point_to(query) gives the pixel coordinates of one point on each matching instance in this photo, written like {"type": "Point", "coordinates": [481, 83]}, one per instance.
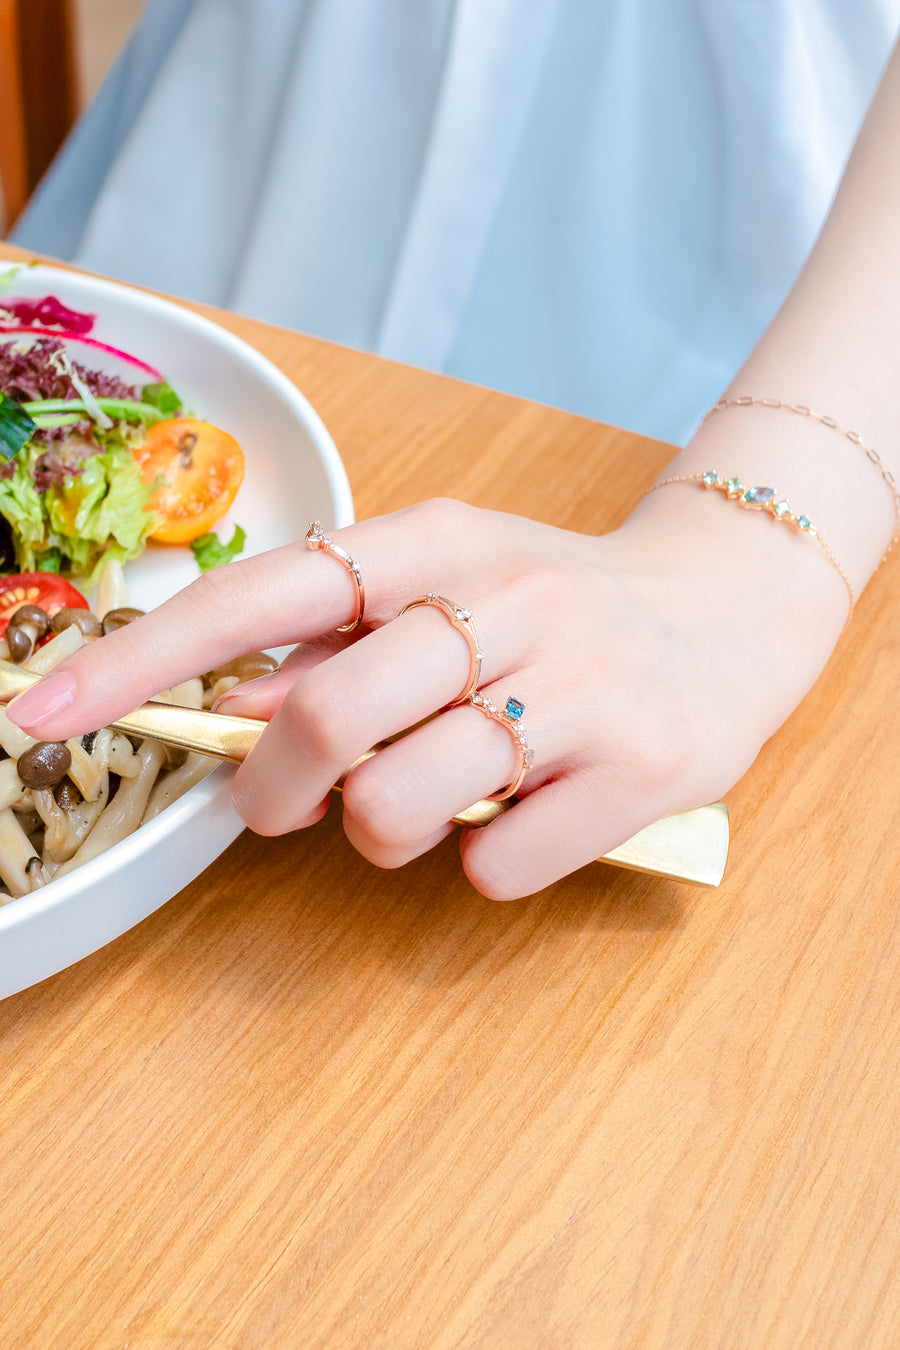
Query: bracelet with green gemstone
{"type": "Point", "coordinates": [762, 499]}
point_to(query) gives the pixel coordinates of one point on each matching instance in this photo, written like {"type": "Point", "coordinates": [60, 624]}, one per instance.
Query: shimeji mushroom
{"type": "Point", "coordinates": [224, 685]}
{"type": "Point", "coordinates": [20, 868]}
{"type": "Point", "coordinates": [112, 592]}
{"type": "Point", "coordinates": [125, 812]}
{"type": "Point", "coordinates": [83, 815]}
{"type": "Point", "coordinates": [89, 768]}
{"type": "Point", "coordinates": [61, 839]}
{"type": "Point", "coordinates": [188, 694]}
{"type": "Point", "coordinates": [123, 758]}
{"type": "Point", "coordinates": [68, 816]}
{"type": "Point", "coordinates": [172, 785]}
{"type": "Point", "coordinates": [57, 649]}
{"type": "Point", "coordinates": [12, 738]}
{"type": "Point", "coordinates": [11, 786]}
{"type": "Point", "coordinates": [87, 623]}
{"type": "Point", "coordinates": [72, 817]}
{"type": "Point", "coordinates": [27, 625]}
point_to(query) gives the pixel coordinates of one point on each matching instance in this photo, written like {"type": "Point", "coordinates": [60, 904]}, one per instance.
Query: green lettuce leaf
{"type": "Point", "coordinates": [102, 513]}
{"type": "Point", "coordinates": [163, 397]}
{"type": "Point", "coordinates": [21, 504]}
{"type": "Point", "coordinates": [211, 552]}
{"type": "Point", "coordinates": [74, 528]}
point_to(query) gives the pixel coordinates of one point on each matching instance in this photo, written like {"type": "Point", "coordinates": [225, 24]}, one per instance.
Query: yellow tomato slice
{"type": "Point", "coordinates": [202, 468]}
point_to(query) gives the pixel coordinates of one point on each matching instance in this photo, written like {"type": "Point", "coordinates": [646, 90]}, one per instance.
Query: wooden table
{"type": "Point", "coordinates": [310, 1104]}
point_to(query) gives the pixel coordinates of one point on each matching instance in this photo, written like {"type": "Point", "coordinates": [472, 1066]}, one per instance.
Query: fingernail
{"type": "Point", "coordinates": [240, 690]}
{"type": "Point", "coordinates": [53, 693]}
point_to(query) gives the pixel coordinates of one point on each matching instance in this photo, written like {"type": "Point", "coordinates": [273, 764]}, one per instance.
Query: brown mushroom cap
{"type": "Point", "coordinates": [247, 667]}
{"type": "Point", "coordinates": [30, 616]}
{"type": "Point", "coordinates": [20, 642]}
{"type": "Point", "coordinates": [83, 619]}
{"type": "Point", "coordinates": [45, 764]}
{"type": "Point", "coordinates": [117, 618]}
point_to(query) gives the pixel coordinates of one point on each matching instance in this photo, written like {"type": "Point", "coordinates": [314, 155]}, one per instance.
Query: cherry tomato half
{"type": "Point", "coordinates": [51, 593]}
{"type": "Point", "coordinates": [202, 468]}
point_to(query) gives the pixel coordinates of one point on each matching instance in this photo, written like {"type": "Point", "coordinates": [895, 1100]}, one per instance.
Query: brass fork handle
{"type": "Point", "coordinates": [691, 846]}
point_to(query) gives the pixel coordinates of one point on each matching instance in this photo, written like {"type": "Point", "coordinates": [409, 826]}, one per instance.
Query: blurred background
{"type": "Point", "coordinates": [102, 27]}
{"type": "Point", "coordinates": [54, 55]}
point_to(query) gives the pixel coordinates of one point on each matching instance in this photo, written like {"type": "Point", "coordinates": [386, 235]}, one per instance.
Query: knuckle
{"type": "Point", "coordinates": [445, 514]}
{"type": "Point", "coordinates": [315, 713]}
{"type": "Point", "coordinates": [371, 799]}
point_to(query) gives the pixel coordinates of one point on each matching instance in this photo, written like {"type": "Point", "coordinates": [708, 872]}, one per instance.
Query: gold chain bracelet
{"type": "Point", "coordinates": [801, 410]}
{"type": "Point", "coordinates": [762, 499]}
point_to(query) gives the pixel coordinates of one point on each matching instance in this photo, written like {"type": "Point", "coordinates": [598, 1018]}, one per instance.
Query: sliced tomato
{"type": "Point", "coordinates": [202, 468]}
{"type": "Point", "coordinates": [51, 593]}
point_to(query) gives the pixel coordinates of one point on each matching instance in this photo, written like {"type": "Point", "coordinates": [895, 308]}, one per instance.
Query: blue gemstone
{"type": "Point", "coordinates": [514, 709]}
{"type": "Point", "coordinates": [757, 495]}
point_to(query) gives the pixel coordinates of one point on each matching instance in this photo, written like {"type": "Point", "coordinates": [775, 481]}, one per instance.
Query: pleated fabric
{"type": "Point", "coordinates": [595, 203]}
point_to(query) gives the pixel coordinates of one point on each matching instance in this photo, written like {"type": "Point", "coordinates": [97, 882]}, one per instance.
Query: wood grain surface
{"type": "Point", "coordinates": [309, 1104]}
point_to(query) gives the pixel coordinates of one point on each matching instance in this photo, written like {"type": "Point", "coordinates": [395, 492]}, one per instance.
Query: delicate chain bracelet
{"type": "Point", "coordinates": [801, 410]}
{"type": "Point", "coordinates": [762, 499]}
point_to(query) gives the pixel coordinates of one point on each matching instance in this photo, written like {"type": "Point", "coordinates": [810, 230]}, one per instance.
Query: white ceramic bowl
{"type": "Point", "coordinates": [294, 475]}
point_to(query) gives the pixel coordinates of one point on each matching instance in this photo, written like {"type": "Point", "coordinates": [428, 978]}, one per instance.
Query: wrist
{"type": "Point", "coordinates": [763, 597]}
{"type": "Point", "coordinates": [826, 473]}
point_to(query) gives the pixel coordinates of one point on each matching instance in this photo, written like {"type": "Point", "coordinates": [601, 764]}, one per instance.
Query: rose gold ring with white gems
{"type": "Point", "coordinates": [508, 717]}
{"type": "Point", "coordinates": [316, 538]}
{"type": "Point", "coordinates": [461, 620]}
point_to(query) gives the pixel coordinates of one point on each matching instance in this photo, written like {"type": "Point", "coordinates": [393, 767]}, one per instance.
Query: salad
{"type": "Point", "coordinates": [93, 465]}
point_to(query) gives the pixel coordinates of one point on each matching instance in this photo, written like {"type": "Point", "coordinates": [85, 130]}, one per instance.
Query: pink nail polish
{"type": "Point", "coordinates": [50, 696]}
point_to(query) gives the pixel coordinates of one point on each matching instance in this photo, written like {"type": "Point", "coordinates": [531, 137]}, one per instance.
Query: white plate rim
{"type": "Point", "coordinates": [25, 909]}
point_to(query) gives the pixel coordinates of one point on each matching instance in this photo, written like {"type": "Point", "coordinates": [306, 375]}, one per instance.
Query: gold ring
{"type": "Point", "coordinates": [461, 620]}
{"type": "Point", "coordinates": [316, 538]}
{"type": "Point", "coordinates": [508, 717]}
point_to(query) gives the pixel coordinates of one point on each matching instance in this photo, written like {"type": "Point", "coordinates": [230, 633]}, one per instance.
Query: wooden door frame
{"type": "Point", "coordinates": [38, 92]}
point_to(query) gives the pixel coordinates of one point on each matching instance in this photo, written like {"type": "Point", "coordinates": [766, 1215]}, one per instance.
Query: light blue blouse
{"type": "Point", "coordinates": [595, 203]}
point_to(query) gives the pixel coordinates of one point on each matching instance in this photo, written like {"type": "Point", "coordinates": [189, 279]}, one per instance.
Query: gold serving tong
{"type": "Point", "coordinates": [691, 846]}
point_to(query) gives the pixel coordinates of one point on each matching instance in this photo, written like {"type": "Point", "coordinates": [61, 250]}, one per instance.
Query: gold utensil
{"type": "Point", "coordinates": [691, 846]}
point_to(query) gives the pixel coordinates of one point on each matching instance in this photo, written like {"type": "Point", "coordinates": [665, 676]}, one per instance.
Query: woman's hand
{"type": "Point", "coordinates": [650, 669]}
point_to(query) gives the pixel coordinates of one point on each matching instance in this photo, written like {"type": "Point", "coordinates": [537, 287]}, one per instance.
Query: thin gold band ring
{"type": "Point", "coordinates": [317, 539]}
{"type": "Point", "coordinates": [461, 619]}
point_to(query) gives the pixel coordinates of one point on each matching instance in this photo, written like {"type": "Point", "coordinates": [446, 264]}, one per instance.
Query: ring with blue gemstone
{"type": "Point", "coordinates": [510, 718]}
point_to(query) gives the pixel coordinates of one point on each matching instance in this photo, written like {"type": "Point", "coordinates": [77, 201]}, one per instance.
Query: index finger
{"type": "Point", "coordinates": [285, 596]}
{"type": "Point", "coordinates": [269, 600]}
